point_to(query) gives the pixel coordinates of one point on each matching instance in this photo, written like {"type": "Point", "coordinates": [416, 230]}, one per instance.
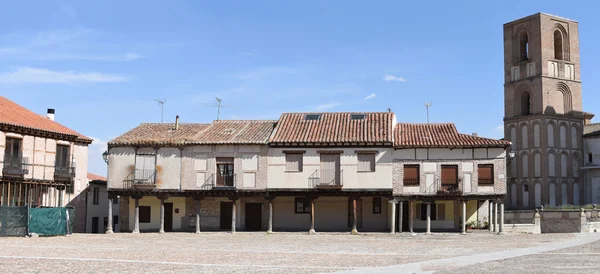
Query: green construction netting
{"type": "Point", "coordinates": [48, 221]}
{"type": "Point", "coordinates": [13, 221]}
{"type": "Point", "coordinates": [71, 215]}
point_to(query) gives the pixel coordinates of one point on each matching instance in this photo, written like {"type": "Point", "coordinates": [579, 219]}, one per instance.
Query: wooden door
{"type": "Point", "coordinates": [226, 208]}
{"type": "Point", "coordinates": [168, 216]}
{"type": "Point", "coordinates": [253, 216]}
{"type": "Point", "coordinates": [330, 169]}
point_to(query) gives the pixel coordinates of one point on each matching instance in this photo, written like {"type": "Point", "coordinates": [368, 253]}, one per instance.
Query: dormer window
{"type": "Point", "coordinates": [312, 117]}
{"type": "Point", "coordinates": [357, 117]}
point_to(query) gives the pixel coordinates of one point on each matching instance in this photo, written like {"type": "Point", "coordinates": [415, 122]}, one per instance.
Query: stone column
{"type": "Point", "coordinates": [136, 215]}
{"type": "Point", "coordinates": [354, 217]}
{"type": "Point", "coordinates": [501, 227]}
{"type": "Point", "coordinates": [582, 221]}
{"type": "Point", "coordinates": [233, 213]}
{"type": "Point", "coordinates": [162, 215]}
{"type": "Point", "coordinates": [270, 229]}
{"type": "Point", "coordinates": [495, 216]}
{"type": "Point", "coordinates": [464, 217]}
{"type": "Point", "coordinates": [400, 213]}
{"type": "Point", "coordinates": [109, 227]}
{"type": "Point", "coordinates": [490, 215]}
{"type": "Point", "coordinates": [410, 217]}
{"type": "Point", "coordinates": [393, 217]}
{"type": "Point", "coordinates": [428, 230]}
{"type": "Point", "coordinates": [198, 205]}
{"type": "Point", "coordinates": [312, 216]}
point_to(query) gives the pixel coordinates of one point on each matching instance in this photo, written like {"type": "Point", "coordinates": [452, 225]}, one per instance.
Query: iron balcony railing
{"type": "Point", "coordinates": [326, 178]}
{"type": "Point", "coordinates": [16, 167]}
{"type": "Point", "coordinates": [219, 182]}
{"type": "Point", "coordinates": [64, 172]}
{"type": "Point", "coordinates": [413, 182]}
{"type": "Point", "coordinates": [443, 188]}
{"type": "Point", "coordinates": [140, 178]}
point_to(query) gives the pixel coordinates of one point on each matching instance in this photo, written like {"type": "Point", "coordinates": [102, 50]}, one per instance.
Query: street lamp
{"type": "Point", "coordinates": [511, 154]}
{"type": "Point", "coordinates": [105, 156]}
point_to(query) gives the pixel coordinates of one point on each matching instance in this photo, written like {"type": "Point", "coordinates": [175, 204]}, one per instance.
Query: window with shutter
{"type": "Point", "coordinates": [302, 205]}
{"type": "Point", "coordinates": [366, 162]}
{"type": "Point", "coordinates": [411, 175]}
{"type": "Point", "coordinates": [449, 174]}
{"type": "Point", "coordinates": [485, 174]}
{"type": "Point", "coordinates": [293, 162]}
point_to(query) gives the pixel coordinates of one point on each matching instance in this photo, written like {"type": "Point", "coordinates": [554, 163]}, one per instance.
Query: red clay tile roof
{"type": "Point", "coordinates": [439, 135]}
{"type": "Point", "coordinates": [334, 127]}
{"type": "Point", "coordinates": [95, 177]}
{"type": "Point", "coordinates": [14, 114]}
{"type": "Point", "coordinates": [591, 130]}
{"type": "Point", "coordinates": [150, 134]}
{"type": "Point", "coordinates": [236, 132]}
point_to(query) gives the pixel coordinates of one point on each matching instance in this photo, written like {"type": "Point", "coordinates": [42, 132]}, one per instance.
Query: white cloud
{"type": "Point", "coordinates": [327, 106]}
{"type": "Point", "coordinates": [499, 128]}
{"type": "Point", "coordinates": [389, 77]}
{"type": "Point", "coordinates": [371, 96]}
{"type": "Point", "coordinates": [36, 75]}
{"type": "Point", "coordinates": [124, 57]}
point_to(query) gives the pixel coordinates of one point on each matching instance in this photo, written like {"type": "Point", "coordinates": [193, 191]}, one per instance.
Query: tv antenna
{"type": "Point", "coordinates": [218, 105]}
{"type": "Point", "coordinates": [161, 103]}
{"type": "Point", "coordinates": [427, 106]}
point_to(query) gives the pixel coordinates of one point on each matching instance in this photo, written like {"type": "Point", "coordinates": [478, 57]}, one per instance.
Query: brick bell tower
{"type": "Point", "coordinates": [543, 115]}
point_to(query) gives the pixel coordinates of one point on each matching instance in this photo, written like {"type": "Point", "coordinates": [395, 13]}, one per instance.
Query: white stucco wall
{"type": "Point", "coordinates": [381, 178]}
{"type": "Point", "coordinates": [100, 210]}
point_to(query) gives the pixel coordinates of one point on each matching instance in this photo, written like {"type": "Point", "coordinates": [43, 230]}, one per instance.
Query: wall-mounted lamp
{"type": "Point", "coordinates": [511, 155]}
{"type": "Point", "coordinates": [105, 156]}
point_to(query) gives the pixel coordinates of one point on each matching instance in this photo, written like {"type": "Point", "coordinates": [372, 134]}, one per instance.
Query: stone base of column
{"type": "Point", "coordinates": [312, 232]}
{"type": "Point", "coordinates": [161, 232]}
{"type": "Point", "coordinates": [109, 231]}
{"type": "Point", "coordinates": [501, 233]}
{"type": "Point", "coordinates": [427, 233]}
{"type": "Point", "coordinates": [198, 232]}
{"type": "Point", "coordinates": [354, 232]}
{"type": "Point", "coordinates": [135, 232]}
{"type": "Point", "coordinates": [413, 234]}
{"type": "Point", "coordinates": [463, 233]}
{"type": "Point", "coordinates": [269, 232]}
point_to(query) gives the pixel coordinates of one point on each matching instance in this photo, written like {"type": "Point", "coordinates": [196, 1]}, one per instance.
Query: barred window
{"type": "Point", "coordinates": [485, 174]}
{"type": "Point", "coordinates": [302, 205]}
{"type": "Point", "coordinates": [411, 175]}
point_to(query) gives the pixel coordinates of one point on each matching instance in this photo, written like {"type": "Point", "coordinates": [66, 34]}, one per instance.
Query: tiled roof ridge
{"type": "Point", "coordinates": [245, 121]}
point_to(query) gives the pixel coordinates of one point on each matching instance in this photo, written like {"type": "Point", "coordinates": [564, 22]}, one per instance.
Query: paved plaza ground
{"type": "Point", "coordinates": [478, 252]}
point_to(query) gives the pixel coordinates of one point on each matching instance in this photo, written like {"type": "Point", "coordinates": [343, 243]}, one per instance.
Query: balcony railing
{"type": "Point", "coordinates": [411, 182]}
{"type": "Point", "coordinates": [140, 178]}
{"type": "Point", "coordinates": [445, 188]}
{"type": "Point", "coordinates": [326, 178]}
{"type": "Point", "coordinates": [219, 182]}
{"type": "Point", "coordinates": [64, 172]}
{"type": "Point", "coordinates": [16, 167]}
{"type": "Point", "coordinates": [485, 181]}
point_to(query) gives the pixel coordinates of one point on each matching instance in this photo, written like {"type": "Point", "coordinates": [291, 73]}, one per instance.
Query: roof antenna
{"type": "Point", "coordinates": [218, 107]}
{"type": "Point", "coordinates": [427, 106]}
{"type": "Point", "coordinates": [162, 107]}
{"type": "Point", "coordinates": [389, 110]}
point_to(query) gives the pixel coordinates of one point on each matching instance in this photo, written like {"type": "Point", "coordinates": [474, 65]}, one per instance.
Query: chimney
{"type": "Point", "coordinates": [50, 114]}
{"type": "Point", "coordinates": [177, 122]}
{"type": "Point", "coordinates": [474, 134]}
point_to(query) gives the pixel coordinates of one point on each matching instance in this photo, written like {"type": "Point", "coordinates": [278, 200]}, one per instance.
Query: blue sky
{"type": "Point", "coordinates": [102, 64]}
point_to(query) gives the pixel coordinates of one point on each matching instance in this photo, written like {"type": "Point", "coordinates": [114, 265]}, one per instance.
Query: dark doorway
{"type": "Point", "coordinates": [253, 216]}
{"type": "Point", "coordinates": [95, 225]}
{"type": "Point", "coordinates": [226, 208]}
{"type": "Point", "coordinates": [405, 216]}
{"type": "Point", "coordinates": [168, 216]}
{"type": "Point", "coordinates": [225, 172]}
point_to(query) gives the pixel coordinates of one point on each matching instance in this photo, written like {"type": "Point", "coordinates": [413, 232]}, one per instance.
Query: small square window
{"type": "Point", "coordinates": [312, 117]}
{"type": "Point", "coordinates": [302, 205]}
{"type": "Point", "coordinates": [293, 162]}
{"type": "Point", "coordinates": [366, 162]}
{"type": "Point", "coordinates": [376, 205]}
{"type": "Point", "coordinates": [357, 117]}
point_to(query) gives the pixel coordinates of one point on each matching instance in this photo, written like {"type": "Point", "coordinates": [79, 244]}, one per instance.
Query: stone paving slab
{"type": "Point", "coordinates": [245, 252]}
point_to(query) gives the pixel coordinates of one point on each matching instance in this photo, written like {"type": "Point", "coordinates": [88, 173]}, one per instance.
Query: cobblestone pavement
{"type": "Point", "coordinates": [249, 252]}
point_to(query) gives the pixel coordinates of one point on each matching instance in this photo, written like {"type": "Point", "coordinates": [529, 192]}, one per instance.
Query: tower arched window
{"type": "Point", "coordinates": [524, 46]}
{"type": "Point", "coordinates": [525, 103]}
{"type": "Point", "coordinates": [558, 45]}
